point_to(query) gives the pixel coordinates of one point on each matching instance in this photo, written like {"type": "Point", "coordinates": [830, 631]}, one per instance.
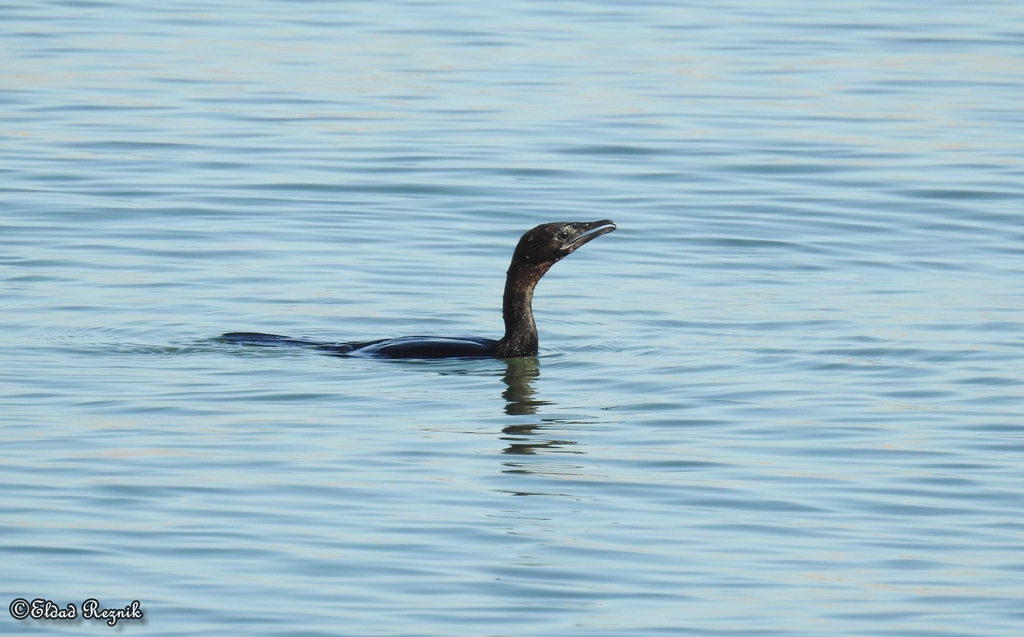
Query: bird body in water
{"type": "Point", "coordinates": [538, 250]}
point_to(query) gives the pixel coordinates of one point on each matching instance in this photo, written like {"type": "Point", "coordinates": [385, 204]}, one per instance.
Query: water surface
{"type": "Point", "coordinates": [784, 398]}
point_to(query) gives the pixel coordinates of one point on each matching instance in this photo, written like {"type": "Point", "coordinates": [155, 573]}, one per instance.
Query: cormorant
{"type": "Point", "coordinates": [538, 250]}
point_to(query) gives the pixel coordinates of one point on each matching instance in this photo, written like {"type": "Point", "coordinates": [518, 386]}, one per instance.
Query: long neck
{"type": "Point", "coordinates": [520, 331]}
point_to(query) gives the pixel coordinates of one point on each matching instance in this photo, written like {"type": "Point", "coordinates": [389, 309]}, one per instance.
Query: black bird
{"type": "Point", "coordinates": [538, 250]}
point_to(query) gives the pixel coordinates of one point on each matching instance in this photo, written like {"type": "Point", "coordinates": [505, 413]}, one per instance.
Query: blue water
{"type": "Point", "coordinates": [785, 398]}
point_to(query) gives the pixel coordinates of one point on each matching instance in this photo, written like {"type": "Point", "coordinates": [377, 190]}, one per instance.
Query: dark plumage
{"type": "Point", "coordinates": [537, 251]}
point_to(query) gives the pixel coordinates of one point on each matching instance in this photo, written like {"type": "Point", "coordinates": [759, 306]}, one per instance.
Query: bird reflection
{"type": "Point", "coordinates": [519, 374]}
{"type": "Point", "coordinates": [522, 438]}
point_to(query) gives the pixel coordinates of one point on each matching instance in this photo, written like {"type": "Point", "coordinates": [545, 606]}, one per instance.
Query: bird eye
{"type": "Point", "coordinates": [562, 234]}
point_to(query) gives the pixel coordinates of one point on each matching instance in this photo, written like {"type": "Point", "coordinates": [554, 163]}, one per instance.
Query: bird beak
{"type": "Point", "coordinates": [591, 231]}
